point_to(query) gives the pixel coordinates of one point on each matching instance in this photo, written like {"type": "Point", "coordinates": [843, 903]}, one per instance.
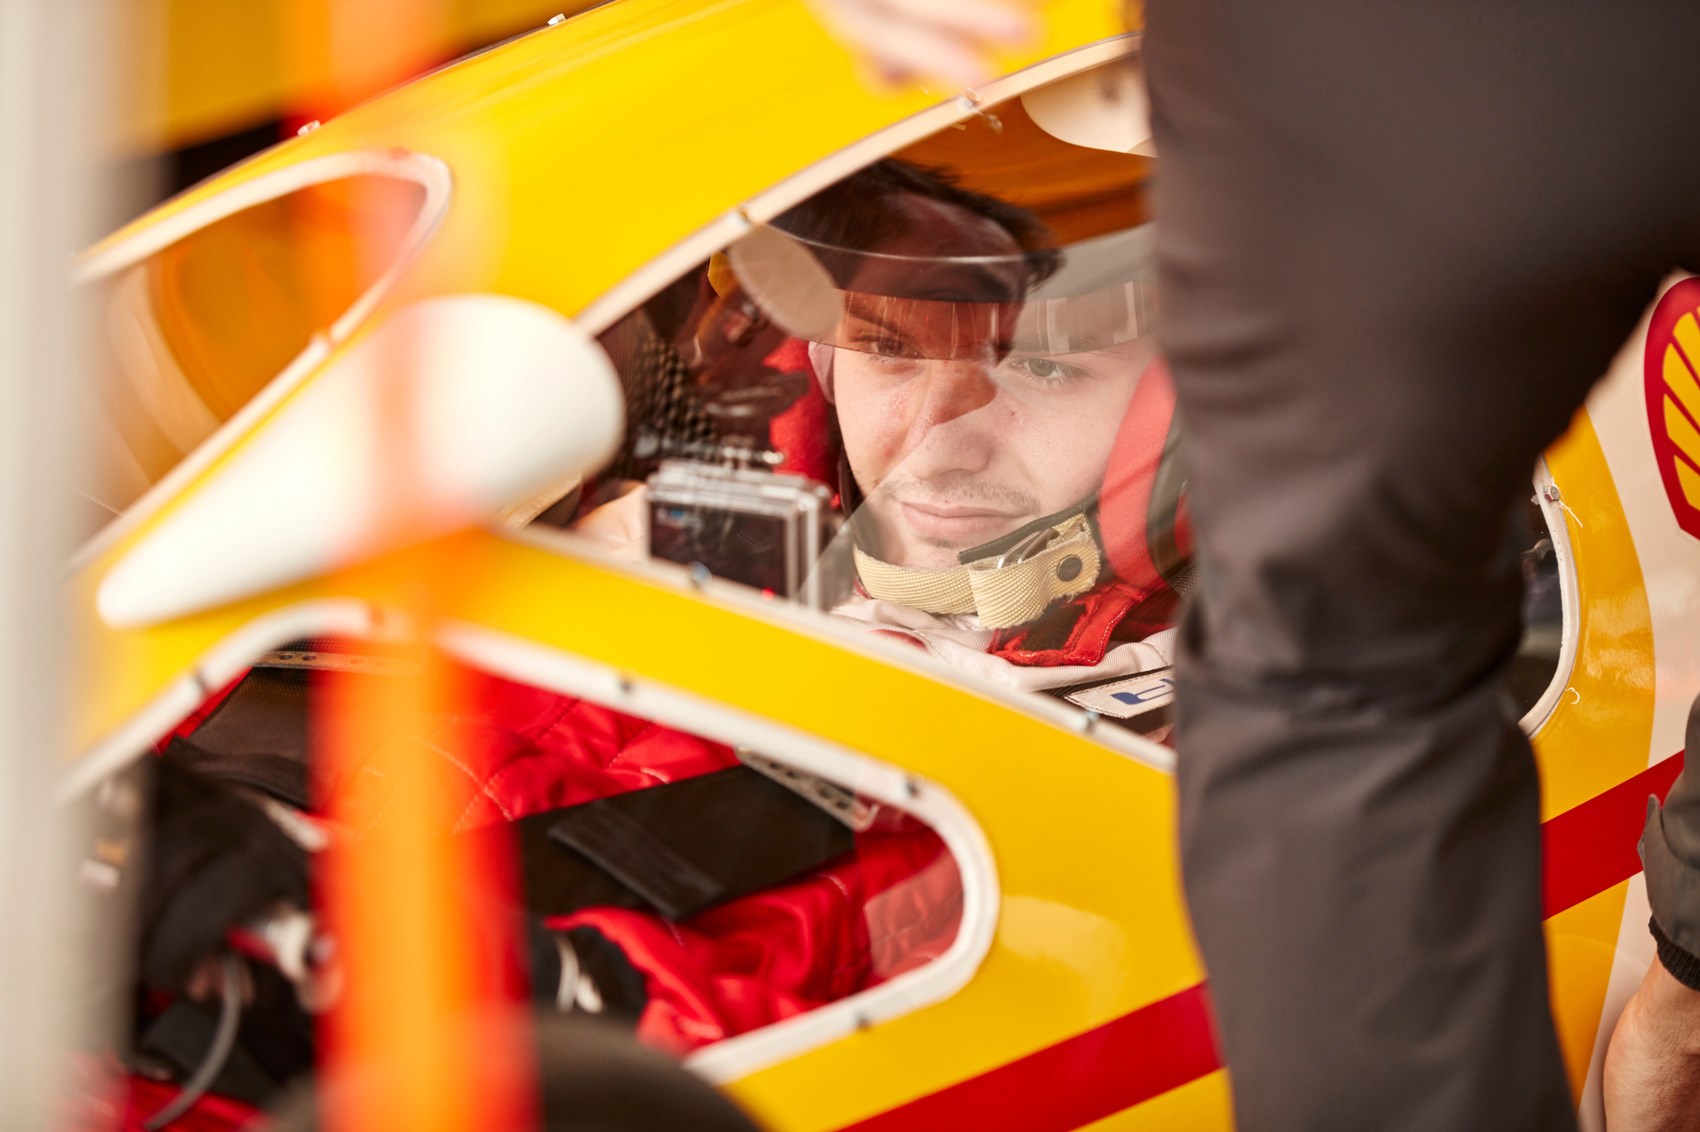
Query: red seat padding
{"type": "Point", "coordinates": [1144, 537]}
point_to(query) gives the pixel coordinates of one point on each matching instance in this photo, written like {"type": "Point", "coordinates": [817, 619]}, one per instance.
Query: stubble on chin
{"type": "Point", "coordinates": [901, 545]}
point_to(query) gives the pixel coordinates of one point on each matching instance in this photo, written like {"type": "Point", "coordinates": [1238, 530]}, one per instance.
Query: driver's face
{"type": "Point", "coordinates": [952, 452]}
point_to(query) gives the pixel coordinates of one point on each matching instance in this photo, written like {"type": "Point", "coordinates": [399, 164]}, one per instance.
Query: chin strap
{"type": "Point", "coordinates": [1003, 590]}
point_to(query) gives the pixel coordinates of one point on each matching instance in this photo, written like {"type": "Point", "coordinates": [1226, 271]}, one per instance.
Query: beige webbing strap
{"type": "Point", "coordinates": [1002, 596]}
{"type": "Point", "coordinates": [936, 591]}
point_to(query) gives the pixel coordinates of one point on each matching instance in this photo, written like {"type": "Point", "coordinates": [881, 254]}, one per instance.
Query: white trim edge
{"type": "Point", "coordinates": [1570, 612]}
{"type": "Point", "coordinates": [540, 666]}
{"type": "Point", "coordinates": [220, 665]}
{"type": "Point", "coordinates": [739, 1056]}
{"type": "Point", "coordinates": [428, 172]}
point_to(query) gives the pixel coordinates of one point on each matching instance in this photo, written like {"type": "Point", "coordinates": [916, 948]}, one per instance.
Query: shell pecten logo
{"type": "Point", "coordinates": [1673, 398]}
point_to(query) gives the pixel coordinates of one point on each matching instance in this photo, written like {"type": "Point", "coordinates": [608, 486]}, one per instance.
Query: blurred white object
{"type": "Point", "coordinates": [504, 398]}
{"type": "Point", "coordinates": [55, 59]}
{"type": "Point", "coordinates": [951, 40]}
{"type": "Point", "coordinates": [788, 282]}
{"type": "Point", "coordinates": [1104, 108]}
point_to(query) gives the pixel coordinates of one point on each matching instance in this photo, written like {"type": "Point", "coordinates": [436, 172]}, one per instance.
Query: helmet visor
{"type": "Point", "coordinates": [1089, 296]}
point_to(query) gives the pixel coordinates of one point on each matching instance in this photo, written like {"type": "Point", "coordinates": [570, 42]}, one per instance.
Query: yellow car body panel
{"type": "Point", "coordinates": [213, 68]}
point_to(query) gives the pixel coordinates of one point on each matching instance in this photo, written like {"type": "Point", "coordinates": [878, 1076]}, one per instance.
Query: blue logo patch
{"type": "Point", "coordinates": [1155, 690]}
{"type": "Point", "coordinates": [1128, 697]}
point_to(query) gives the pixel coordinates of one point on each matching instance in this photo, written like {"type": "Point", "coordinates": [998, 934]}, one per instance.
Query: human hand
{"type": "Point", "coordinates": [620, 527]}
{"type": "Point", "coordinates": [1652, 1069]}
{"type": "Point", "coordinates": [952, 40]}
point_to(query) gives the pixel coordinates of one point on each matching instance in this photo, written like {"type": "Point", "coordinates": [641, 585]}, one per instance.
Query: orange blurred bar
{"type": "Point", "coordinates": [419, 922]}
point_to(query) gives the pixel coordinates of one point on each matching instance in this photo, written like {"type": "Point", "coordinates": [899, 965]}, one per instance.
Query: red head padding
{"type": "Point", "coordinates": [1142, 508]}
{"type": "Point", "coordinates": [804, 433]}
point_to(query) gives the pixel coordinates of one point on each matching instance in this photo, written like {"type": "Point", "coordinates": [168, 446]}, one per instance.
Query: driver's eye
{"type": "Point", "coordinates": [1046, 371]}
{"type": "Point", "coordinates": [883, 346]}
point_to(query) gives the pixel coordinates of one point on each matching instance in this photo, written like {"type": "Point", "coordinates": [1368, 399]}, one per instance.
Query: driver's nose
{"type": "Point", "coordinates": [940, 440]}
{"type": "Point", "coordinates": [953, 389]}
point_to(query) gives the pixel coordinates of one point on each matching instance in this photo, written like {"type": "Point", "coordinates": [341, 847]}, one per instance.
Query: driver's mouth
{"type": "Point", "coordinates": [967, 526]}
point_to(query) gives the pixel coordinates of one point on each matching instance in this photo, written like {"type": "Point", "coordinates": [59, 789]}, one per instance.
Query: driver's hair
{"type": "Point", "coordinates": [857, 213]}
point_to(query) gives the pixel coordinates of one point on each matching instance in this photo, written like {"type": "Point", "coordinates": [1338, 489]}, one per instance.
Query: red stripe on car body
{"type": "Point", "coordinates": [1080, 1079]}
{"type": "Point", "coordinates": [1591, 847]}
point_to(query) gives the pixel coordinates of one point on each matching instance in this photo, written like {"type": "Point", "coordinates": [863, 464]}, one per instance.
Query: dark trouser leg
{"type": "Point", "coordinates": [1397, 245]}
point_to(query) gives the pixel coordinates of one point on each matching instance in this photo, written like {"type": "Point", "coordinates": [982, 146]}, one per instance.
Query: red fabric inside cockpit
{"type": "Point", "coordinates": [804, 433]}
{"type": "Point", "coordinates": [1142, 507]}
{"type": "Point", "coordinates": [893, 904]}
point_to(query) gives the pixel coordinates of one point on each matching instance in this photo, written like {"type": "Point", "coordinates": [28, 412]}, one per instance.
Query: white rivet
{"type": "Point", "coordinates": [307, 128]}
{"type": "Point", "coordinates": [557, 18]}
{"type": "Point", "coordinates": [1088, 721]}
{"type": "Point", "coordinates": [699, 575]}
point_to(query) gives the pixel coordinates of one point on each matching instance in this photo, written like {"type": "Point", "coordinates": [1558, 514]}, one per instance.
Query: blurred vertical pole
{"type": "Point", "coordinates": [415, 913]}
{"type": "Point", "coordinates": [50, 76]}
